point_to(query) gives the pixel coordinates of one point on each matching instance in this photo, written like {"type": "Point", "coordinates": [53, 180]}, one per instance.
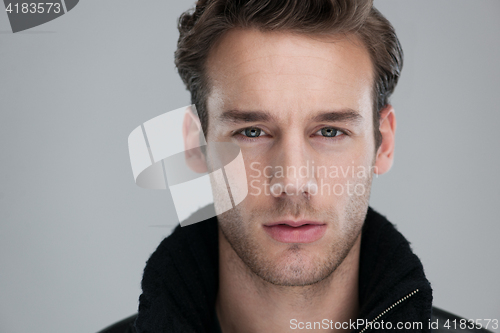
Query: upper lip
{"type": "Point", "coordinates": [293, 223]}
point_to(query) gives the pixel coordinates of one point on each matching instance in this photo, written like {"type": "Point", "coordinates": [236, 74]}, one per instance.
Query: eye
{"type": "Point", "coordinates": [329, 132]}
{"type": "Point", "coordinates": [252, 132]}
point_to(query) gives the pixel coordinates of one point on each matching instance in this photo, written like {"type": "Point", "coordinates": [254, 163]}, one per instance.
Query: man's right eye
{"type": "Point", "coordinates": [252, 132]}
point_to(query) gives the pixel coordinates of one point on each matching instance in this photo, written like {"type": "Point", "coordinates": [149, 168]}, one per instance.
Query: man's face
{"type": "Point", "coordinates": [300, 109]}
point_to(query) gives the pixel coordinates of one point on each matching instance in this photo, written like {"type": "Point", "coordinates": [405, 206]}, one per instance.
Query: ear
{"type": "Point", "coordinates": [191, 130]}
{"type": "Point", "coordinates": [385, 153]}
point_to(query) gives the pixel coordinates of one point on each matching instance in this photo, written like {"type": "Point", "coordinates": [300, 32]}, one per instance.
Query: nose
{"type": "Point", "coordinates": [293, 172]}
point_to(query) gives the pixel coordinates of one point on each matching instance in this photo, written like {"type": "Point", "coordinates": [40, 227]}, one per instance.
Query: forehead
{"type": "Point", "coordinates": [286, 73]}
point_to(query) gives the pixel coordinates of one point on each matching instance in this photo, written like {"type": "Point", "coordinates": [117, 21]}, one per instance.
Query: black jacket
{"type": "Point", "coordinates": [180, 284]}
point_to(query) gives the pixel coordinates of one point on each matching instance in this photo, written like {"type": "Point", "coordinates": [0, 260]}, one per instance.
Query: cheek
{"type": "Point", "coordinates": [340, 177]}
{"type": "Point", "coordinates": [258, 177]}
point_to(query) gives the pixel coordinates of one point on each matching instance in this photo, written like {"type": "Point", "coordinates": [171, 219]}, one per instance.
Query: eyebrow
{"type": "Point", "coordinates": [238, 116]}
{"type": "Point", "coordinates": [338, 116]}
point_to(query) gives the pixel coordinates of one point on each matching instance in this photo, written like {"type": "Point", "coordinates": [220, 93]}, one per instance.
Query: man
{"type": "Point", "coordinates": [302, 87]}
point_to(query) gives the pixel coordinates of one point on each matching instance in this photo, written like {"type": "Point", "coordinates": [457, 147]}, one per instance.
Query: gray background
{"type": "Point", "coordinates": [75, 231]}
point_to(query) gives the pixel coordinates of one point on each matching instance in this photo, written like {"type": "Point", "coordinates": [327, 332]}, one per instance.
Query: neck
{"type": "Point", "coordinates": [247, 303]}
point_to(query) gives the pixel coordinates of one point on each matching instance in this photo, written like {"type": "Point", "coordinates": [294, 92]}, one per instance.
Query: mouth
{"type": "Point", "coordinates": [295, 231]}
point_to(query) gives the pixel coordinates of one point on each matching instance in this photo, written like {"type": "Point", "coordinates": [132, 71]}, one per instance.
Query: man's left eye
{"type": "Point", "coordinates": [329, 132]}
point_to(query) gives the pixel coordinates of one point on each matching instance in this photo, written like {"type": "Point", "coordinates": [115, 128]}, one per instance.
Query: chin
{"type": "Point", "coordinates": [295, 266]}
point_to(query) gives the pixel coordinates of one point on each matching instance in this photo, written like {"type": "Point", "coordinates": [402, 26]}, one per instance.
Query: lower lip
{"type": "Point", "coordinates": [306, 233]}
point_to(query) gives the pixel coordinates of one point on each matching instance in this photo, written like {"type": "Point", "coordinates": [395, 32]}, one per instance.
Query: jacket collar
{"type": "Point", "coordinates": [392, 283]}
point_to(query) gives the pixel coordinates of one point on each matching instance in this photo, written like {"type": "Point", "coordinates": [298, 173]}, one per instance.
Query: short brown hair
{"type": "Point", "coordinates": [201, 27]}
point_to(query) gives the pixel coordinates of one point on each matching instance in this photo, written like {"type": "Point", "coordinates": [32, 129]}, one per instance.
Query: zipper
{"type": "Point", "coordinates": [389, 309]}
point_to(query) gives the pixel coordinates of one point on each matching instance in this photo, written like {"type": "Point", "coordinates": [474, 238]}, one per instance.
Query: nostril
{"type": "Point", "coordinates": [309, 189]}
{"type": "Point", "coordinates": [276, 189]}
{"type": "Point", "coordinates": [312, 188]}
